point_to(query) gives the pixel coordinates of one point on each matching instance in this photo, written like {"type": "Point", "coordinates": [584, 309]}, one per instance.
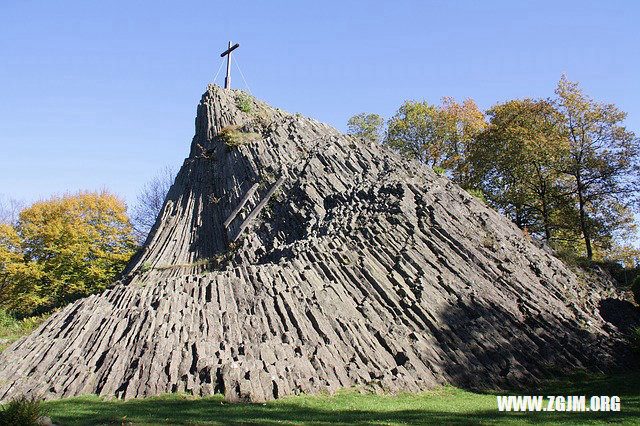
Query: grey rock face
{"type": "Point", "coordinates": [303, 260]}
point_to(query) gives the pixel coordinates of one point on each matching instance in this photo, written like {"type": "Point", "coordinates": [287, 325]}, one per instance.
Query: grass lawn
{"type": "Point", "coordinates": [446, 405]}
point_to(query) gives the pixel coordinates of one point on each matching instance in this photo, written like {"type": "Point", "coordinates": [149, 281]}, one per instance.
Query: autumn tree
{"type": "Point", "coordinates": [461, 124]}
{"type": "Point", "coordinates": [366, 126]}
{"type": "Point", "coordinates": [439, 136]}
{"type": "Point", "coordinates": [61, 249]}
{"type": "Point", "coordinates": [601, 166]}
{"type": "Point", "coordinates": [516, 162]}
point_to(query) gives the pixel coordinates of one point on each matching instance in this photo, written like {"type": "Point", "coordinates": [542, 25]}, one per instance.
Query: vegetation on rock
{"type": "Point", "coordinates": [11, 329]}
{"type": "Point", "coordinates": [233, 136]}
{"type": "Point", "coordinates": [243, 102]}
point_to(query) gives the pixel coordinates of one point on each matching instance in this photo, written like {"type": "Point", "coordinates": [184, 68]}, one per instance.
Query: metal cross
{"type": "Point", "coordinates": [227, 80]}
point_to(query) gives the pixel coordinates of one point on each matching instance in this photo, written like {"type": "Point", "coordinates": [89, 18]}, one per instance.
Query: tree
{"type": "Point", "coordinates": [601, 166]}
{"type": "Point", "coordinates": [150, 201]}
{"type": "Point", "coordinates": [623, 253]}
{"type": "Point", "coordinates": [366, 126]}
{"type": "Point", "coordinates": [461, 124]}
{"type": "Point", "coordinates": [9, 209]}
{"type": "Point", "coordinates": [61, 249]}
{"type": "Point", "coordinates": [516, 162]}
{"type": "Point", "coordinates": [439, 136]}
{"type": "Point", "coordinates": [416, 132]}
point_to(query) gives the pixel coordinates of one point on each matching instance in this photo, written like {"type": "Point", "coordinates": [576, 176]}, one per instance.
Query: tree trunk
{"type": "Point", "coordinates": [545, 220]}
{"type": "Point", "coordinates": [545, 207]}
{"type": "Point", "coordinates": [583, 218]}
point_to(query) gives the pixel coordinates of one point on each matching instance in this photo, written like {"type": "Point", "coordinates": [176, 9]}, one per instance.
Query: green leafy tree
{"type": "Point", "coordinates": [62, 249]}
{"type": "Point", "coordinates": [601, 166]}
{"type": "Point", "coordinates": [366, 126]}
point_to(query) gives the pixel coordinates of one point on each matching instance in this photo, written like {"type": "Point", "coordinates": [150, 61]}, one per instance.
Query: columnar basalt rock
{"type": "Point", "coordinates": [289, 258]}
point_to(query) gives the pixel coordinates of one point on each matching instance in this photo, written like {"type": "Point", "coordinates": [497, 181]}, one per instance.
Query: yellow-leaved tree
{"type": "Point", "coordinates": [62, 249]}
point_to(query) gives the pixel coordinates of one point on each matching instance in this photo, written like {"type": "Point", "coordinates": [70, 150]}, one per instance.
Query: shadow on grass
{"type": "Point", "coordinates": [446, 406]}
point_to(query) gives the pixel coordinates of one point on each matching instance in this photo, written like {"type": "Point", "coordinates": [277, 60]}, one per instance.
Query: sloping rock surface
{"type": "Point", "coordinates": [291, 258]}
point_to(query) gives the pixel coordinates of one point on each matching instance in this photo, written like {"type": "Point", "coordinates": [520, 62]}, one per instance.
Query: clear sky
{"type": "Point", "coordinates": [103, 94]}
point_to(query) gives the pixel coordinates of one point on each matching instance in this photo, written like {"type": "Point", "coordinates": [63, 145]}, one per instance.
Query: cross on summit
{"type": "Point", "coordinates": [227, 80]}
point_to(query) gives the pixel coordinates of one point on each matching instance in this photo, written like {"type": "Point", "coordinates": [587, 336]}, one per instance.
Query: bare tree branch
{"type": "Point", "coordinates": [150, 201]}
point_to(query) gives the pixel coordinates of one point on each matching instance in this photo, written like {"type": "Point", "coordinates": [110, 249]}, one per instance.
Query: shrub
{"type": "Point", "coordinates": [262, 118]}
{"type": "Point", "coordinates": [6, 319]}
{"type": "Point", "coordinates": [11, 329]}
{"type": "Point", "coordinates": [243, 102]}
{"type": "Point", "coordinates": [228, 135]}
{"type": "Point", "coordinates": [233, 137]}
{"type": "Point", "coordinates": [22, 411]}
{"type": "Point", "coordinates": [439, 170]}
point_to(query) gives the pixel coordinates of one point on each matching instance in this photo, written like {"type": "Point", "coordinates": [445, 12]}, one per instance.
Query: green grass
{"type": "Point", "coordinates": [11, 329]}
{"type": "Point", "coordinates": [446, 405]}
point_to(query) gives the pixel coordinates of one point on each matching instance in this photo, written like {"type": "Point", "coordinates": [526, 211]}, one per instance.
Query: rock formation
{"type": "Point", "coordinates": [289, 258]}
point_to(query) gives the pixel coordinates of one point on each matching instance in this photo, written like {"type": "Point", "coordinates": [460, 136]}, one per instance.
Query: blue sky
{"type": "Point", "coordinates": [103, 94]}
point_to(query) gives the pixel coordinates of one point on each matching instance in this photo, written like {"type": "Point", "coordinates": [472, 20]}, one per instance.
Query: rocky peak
{"type": "Point", "coordinates": [289, 258]}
